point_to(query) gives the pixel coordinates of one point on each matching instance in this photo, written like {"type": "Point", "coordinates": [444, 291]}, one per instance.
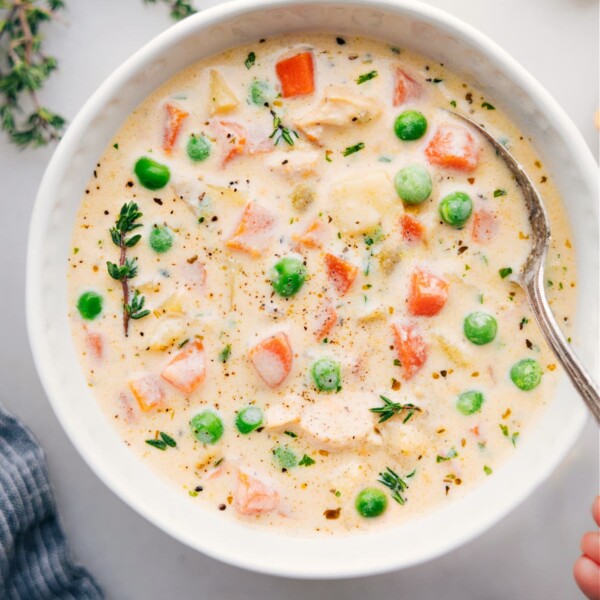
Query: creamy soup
{"type": "Point", "coordinates": [290, 286]}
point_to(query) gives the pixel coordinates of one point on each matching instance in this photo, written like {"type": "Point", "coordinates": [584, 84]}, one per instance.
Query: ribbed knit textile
{"type": "Point", "coordinates": [35, 563]}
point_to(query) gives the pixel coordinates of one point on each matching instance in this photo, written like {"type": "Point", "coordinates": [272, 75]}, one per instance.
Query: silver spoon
{"type": "Point", "coordinates": [531, 277]}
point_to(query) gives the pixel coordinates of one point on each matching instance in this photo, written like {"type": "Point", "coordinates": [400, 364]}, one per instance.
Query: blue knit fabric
{"type": "Point", "coordinates": [35, 563]}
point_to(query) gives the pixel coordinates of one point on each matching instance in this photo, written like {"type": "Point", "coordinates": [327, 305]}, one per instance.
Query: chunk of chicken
{"type": "Point", "coordinates": [296, 164]}
{"type": "Point", "coordinates": [339, 422]}
{"type": "Point", "coordinates": [339, 107]}
{"type": "Point", "coordinates": [284, 414]}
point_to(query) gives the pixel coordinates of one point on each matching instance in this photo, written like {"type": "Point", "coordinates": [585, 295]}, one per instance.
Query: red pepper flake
{"type": "Point", "coordinates": [471, 180]}
{"type": "Point", "coordinates": [551, 367]}
{"type": "Point", "coordinates": [507, 413]}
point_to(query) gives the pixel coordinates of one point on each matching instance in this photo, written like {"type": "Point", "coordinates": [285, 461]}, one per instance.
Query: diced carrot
{"type": "Point", "coordinates": [412, 230]}
{"type": "Point", "coordinates": [428, 293]}
{"type": "Point", "coordinates": [313, 235]}
{"type": "Point", "coordinates": [254, 229]}
{"type": "Point", "coordinates": [325, 321]}
{"type": "Point", "coordinates": [173, 124]}
{"type": "Point", "coordinates": [296, 75]}
{"type": "Point", "coordinates": [341, 273]}
{"type": "Point", "coordinates": [485, 226]}
{"type": "Point", "coordinates": [147, 391]}
{"type": "Point", "coordinates": [405, 87]}
{"type": "Point", "coordinates": [231, 138]}
{"type": "Point", "coordinates": [410, 347]}
{"type": "Point", "coordinates": [187, 369]}
{"type": "Point", "coordinates": [272, 359]}
{"type": "Point", "coordinates": [253, 496]}
{"type": "Point", "coordinates": [94, 342]}
{"type": "Point", "coordinates": [453, 147]}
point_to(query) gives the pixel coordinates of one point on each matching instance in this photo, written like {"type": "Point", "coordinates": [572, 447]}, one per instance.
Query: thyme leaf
{"type": "Point", "coordinates": [390, 409]}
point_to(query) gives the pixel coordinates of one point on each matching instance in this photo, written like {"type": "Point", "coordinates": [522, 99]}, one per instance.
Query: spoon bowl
{"type": "Point", "coordinates": [531, 276]}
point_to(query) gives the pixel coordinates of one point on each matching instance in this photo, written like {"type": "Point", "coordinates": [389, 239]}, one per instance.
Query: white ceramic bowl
{"type": "Point", "coordinates": [404, 23]}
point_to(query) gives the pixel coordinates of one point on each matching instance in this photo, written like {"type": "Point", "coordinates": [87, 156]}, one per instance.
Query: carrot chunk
{"type": "Point", "coordinates": [428, 293]}
{"type": "Point", "coordinates": [412, 229]}
{"type": "Point", "coordinates": [254, 229]}
{"type": "Point", "coordinates": [410, 347]}
{"type": "Point", "coordinates": [231, 139]}
{"type": "Point", "coordinates": [253, 496]}
{"type": "Point", "coordinates": [187, 369]}
{"type": "Point", "coordinates": [173, 124]}
{"type": "Point", "coordinates": [272, 359]}
{"type": "Point", "coordinates": [313, 235]}
{"type": "Point", "coordinates": [341, 273]}
{"type": "Point", "coordinates": [453, 147]}
{"type": "Point", "coordinates": [95, 344]}
{"type": "Point", "coordinates": [484, 226]}
{"type": "Point", "coordinates": [325, 321]}
{"type": "Point", "coordinates": [405, 87]}
{"type": "Point", "coordinates": [147, 391]}
{"type": "Point", "coordinates": [296, 75]}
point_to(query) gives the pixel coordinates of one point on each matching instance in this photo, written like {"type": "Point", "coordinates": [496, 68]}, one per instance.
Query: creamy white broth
{"type": "Point", "coordinates": [203, 290]}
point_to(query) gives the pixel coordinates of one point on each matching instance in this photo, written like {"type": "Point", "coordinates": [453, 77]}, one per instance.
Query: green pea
{"type": "Point", "coordinates": [456, 208]}
{"type": "Point", "coordinates": [480, 328]}
{"type": "Point", "coordinates": [260, 92]}
{"type": "Point", "coordinates": [198, 148]}
{"type": "Point", "coordinates": [249, 419]}
{"type": "Point", "coordinates": [160, 239]}
{"type": "Point", "coordinates": [326, 375]}
{"type": "Point", "coordinates": [370, 503]}
{"type": "Point", "coordinates": [89, 305]}
{"type": "Point", "coordinates": [151, 174]}
{"type": "Point", "coordinates": [470, 402]}
{"type": "Point", "coordinates": [526, 374]}
{"type": "Point", "coordinates": [207, 427]}
{"type": "Point", "coordinates": [410, 125]}
{"type": "Point", "coordinates": [289, 275]}
{"type": "Point", "coordinates": [413, 184]}
{"type": "Point", "coordinates": [285, 457]}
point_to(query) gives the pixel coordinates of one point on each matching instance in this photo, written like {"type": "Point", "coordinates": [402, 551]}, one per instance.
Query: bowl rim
{"type": "Point", "coordinates": [219, 15]}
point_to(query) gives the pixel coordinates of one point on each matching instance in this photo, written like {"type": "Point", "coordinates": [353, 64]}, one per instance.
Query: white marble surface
{"type": "Point", "coordinates": [526, 556]}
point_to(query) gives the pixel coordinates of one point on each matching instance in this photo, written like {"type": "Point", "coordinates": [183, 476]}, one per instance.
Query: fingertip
{"type": "Point", "coordinates": [587, 575]}
{"type": "Point", "coordinates": [596, 510]}
{"type": "Point", "coordinates": [590, 545]}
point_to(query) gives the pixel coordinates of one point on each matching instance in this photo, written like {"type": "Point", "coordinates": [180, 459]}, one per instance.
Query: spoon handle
{"type": "Point", "coordinates": [582, 381]}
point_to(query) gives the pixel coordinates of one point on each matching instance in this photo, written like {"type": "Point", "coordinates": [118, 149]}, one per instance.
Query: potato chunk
{"type": "Point", "coordinates": [221, 97]}
{"type": "Point", "coordinates": [363, 202]}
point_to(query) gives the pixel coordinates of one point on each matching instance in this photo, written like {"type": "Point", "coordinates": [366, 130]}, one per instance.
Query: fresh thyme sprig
{"type": "Point", "coordinates": [280, 132]}
{"type": "Point", "coordinates": [24, 69]}
{"type": "Point", "coordinates": [127, 268]}
{"type": "Point", "coordinates": [179, 9]}
{"type": "Point", "coordinates": [395, 483]}
{"type": "Point", "coordinates": [390, 409]}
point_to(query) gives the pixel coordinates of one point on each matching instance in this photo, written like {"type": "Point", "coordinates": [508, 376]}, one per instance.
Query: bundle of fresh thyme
{"type": "Point", "coordinates": [24, 68]}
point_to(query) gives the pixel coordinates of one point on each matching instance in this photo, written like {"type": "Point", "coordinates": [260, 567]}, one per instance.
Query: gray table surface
{"type": "Point", "coordinates": [528, 555]}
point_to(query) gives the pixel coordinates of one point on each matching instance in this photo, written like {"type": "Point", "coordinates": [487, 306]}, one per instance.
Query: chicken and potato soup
{"type": "Point", "coordinates": [290, 285]}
